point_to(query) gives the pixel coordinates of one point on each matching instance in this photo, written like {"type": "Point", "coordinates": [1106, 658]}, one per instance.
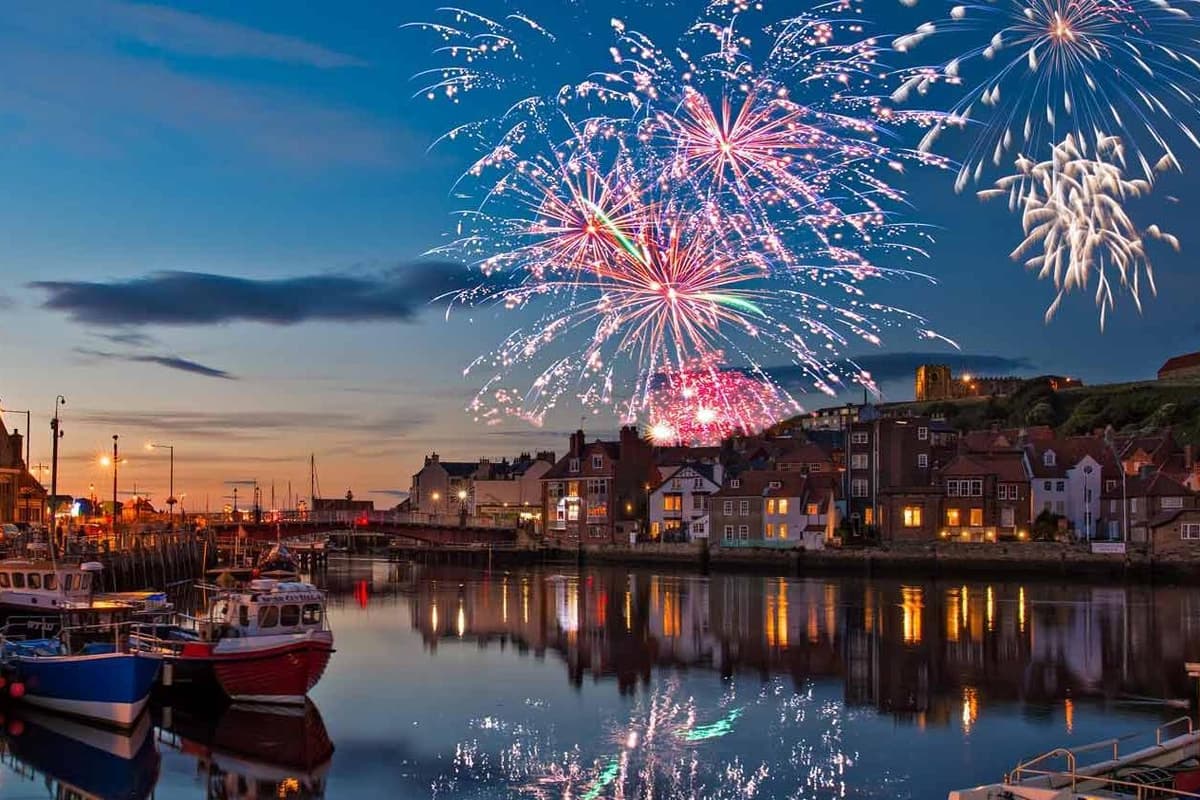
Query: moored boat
{"type": "Point", "coordinates": [68, 592]}
{"type": "Point", "coordinates": [108, 683]}
{"type": "Point", "coordinates": [269, 642]}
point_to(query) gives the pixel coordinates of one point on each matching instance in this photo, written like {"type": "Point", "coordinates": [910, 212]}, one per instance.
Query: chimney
{"type": "Point", "coordinates": [577, 442]}
{"type": "Point", "coordinates": [630, 440]}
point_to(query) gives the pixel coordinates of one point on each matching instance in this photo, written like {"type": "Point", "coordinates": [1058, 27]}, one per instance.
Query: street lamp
{"type": "Point", "coordinates": [436, 497]}
{"type": "Point", "coordinates": [171, 499]}
{"type": "Point", "coordinates": [462, 507]}
{"type": "Point", "coordinates": [56, 434]}
{"type": "Point", "coordinates": [116, 460]}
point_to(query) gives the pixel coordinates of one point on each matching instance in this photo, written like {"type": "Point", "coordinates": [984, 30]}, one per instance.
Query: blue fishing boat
{"type": "Point", "coordinates": [100, 682]}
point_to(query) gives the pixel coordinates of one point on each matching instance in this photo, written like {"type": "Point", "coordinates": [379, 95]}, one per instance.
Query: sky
{"type": "Point", "coordinates": [215, 227]}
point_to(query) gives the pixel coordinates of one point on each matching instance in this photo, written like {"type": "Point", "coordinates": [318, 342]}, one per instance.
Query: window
{"type": "Point", "coordinates": [977, 488]}
{"type": "Point", "coordinates": [922, 460]}
{"type": "Point", "coordinates": [573, 510]}
{"type": "Point", "coordinates": [1008, 517]}
{"type": "Point", "coordinates": [770, 530]}
{"type": "Point", "coordinates": [676, 483]}
{"type": "Point", "coordinates": [859, 461]}
{"type": "Point", "coordinates": [923, 433]}
{"type": "Point", "coordinates": [1047, 485]}
{"type": "Point", "coordinates": [597, 462]}
{"type": "Point", "coordinates": [1060, 486]}
{"type": "Point", "coordinates": [268, 616]}
{"type": "Point", "coordinates": [860, 438]}
{"type": "Point", "coordinates": [655, 528]}
{"type": "Point", "coordinates": [976, 517]}
{"type": "Point", "coordinates": [68, 581]}
{"type": "Point", "coordinates": [698, 484]}
{"type": "Point", "coordinates": [770, 505]}
{"type": "Point", "coordinates": [1133, 505]}
{"type": "Point", "coordinates": [1060, 507]}
{"type": "Point", "coordinates": [814, 468]}
{"type": "Point", "coordinates": [35, 580]}
{"type": "Point", "coordinates": [4, 583]}
{"type": "Point", "coordinates": [743, 508]}
{"type": "Point", "coordinates": [574, 465]}
{"type": "Point", "coordinates": [84, 581]}
{"type": "Point", "coordinates": [912, 516]}
{"type": "Point", "coordinates": [1114, 529]}
{"type": "Point", "coordinates": [782, 505]}
{"type": "Point", "coordinates": [672, 502]}
{"type": "Point", "coordinates": [311, 615]}
{"type": "Point", "coordinates": [698, 502]}
{"type": "Point", "coordinates": [596, 531]}
{"type": "Point", "coordinates": [858, 487]}
{"type": "Point", "coordinates": [813, 509]}
{"type": "Point", "coordinates": [1048, 458]}
{"type": "Point", "coordinates": [743, 532]}
{"type": "Point", "coordinates": [783, 530]}
{"type": "Point", "coordinates": [50, 581]}
{"type": "Point", "coordinates": [18, 580]}
{"type": "Point", "coordinates": [774, 485]}
{"type": "Point", "coordinates": [289, 616]}
{"type": "Point", "coordinates": [736, 483]}
{"type": "Point", "coordinates": [727, 508]}
{"type": "Point", "coordinates": [1112, 506]}
{"type": "Point", "coordinates": [869, 516]}
{"type": "Point", "coordinates": [952, 517]}
{"type": "Point", "coordinates": [244, 615]}
{"type": "Point", "coordinates": [952, 488]}
{"type": "Point", "coordinates": [1189, 530]}
{"type": "Point", "coordinates": [1110, 485]}
{"type": "Point", "coordinates": [1172, 502]}
{"type": "Point", "coordinates": [1002, 491]}
{"type": "Point", "coordinates": [729, 533]}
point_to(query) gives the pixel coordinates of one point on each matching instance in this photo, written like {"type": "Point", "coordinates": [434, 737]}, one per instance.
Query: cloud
{"type": "Point", "coordinates": [170, 362]}
{"type": "Point", "coordinates": [128, 338]}
{"type": "Point", "coordinates": [192, 34]}
{"type": "Point", "coordinates": [255, 424]}
{"type": "Point", "coordinates": [887, 367]}
{"type": "Point", "coordinates": [390, 492]}
{"type": "Point", "coordinates": [199, 298]}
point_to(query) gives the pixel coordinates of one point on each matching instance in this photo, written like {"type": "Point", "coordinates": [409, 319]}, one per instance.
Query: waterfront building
{"type": "Point", "coordinates": [596, 494]}
{"type": "Point", "coordinates": [512, 491]}
{"type": "Point", "coordinates": [1146, 497]}
{"type": "Point", "coordinates": [910, 513]}
{"type": "Point", "coordinates": [679, 506]}
{"type": "Point", "coordinates": [890, 452]}
{"type": "Point", "coordinates": [986, 496]}
{"type": "Point", "coordinates": [1175, 533]}
{"type": "Point", "coordinates": [436, 488]}
{"type": "Point", "coordinates": [775, 509]}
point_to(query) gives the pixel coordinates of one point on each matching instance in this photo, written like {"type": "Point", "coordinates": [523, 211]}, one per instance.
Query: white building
{"type": "Point", "coordinates": [1084, 487]}
{"type": "Point", "coordinates": [1067, 487]}
{"type": "Point", "coordinates": [679, 505]}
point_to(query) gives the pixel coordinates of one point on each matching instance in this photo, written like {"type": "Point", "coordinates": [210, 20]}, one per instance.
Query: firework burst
{"type": "Point", "coordinates": [1045, 69]}
{"type": "Point", "coordinates": [1076, 223]}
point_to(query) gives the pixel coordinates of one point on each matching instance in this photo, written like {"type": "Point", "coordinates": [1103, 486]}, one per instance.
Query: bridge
{"type": "Point", "coordinates": [419, 529]}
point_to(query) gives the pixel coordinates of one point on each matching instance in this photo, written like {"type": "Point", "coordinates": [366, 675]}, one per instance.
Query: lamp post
{"type": "Point", "coordinates": [171, 499]}
{"type": "Point", "coordinates": [55, 434]}
{"type": "Point", "coordinates": [115, 462]}
{"type": "Point", "coordinates": [462, 508]}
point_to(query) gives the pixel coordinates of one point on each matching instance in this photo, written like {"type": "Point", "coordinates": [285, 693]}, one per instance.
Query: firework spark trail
{"type": "Point", "coordinates": [1048, 68]}
{"type": "Point", "coordinates": [677, 208]}
{"type": "Point", "coordinates": [1076, 223]}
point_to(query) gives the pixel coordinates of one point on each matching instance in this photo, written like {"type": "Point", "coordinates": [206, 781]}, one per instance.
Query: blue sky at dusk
{"type": "Point", "coordinates": [278, 145]}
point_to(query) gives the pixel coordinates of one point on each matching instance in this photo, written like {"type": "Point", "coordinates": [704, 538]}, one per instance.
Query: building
{"type": "Point", "coordinates": [679, 505]}
{"type": "Point", "coordinates": [937, 382]}
{"type": "Point", "coordinates": [512, 491]}
{"type": "Point", "coordinates": [1067, 481]}
{"type": "Point", "coordinates": [22, 497]}
{"type": "Point", "coordinates": [986, 496]}
{"type": "Point", "coordinates": [769, 508]}
{"type": "Point", "coordinates": [934, 382]}
{"type": "Point", "coordinates": [342, 508]}
{"type": "Point", "coordinates": [596, 494]}
{"type": "Point", "coordinates": [1186, 367]}
{"type": "Point", "coordinates": [888, 452]}
{"type": "Point", "coordinates": [1142, 498]}
{"type": "Point", "coordinates": [910, 513]}
{"type": "Point", "coordinates": [1176, 533]}
{"type": "Point", "coordinates": [443, 487]}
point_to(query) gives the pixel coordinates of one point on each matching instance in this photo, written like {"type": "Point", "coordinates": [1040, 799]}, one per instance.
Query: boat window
{"type": "Point", "coordinates": [268, 616]}
{"type": "Point", "coordinates": [4, 583]}
{"type": "Point", "coordinates": [312, 614]}
{"type": "Point", "coordinates": [290, 616]}
{"type": "Point", "coordinates": [35, 581]}
{"type": "Point", "coordinates": [85, 581]}
{"type": "Point", "coordinates": [50, 581]}
{"type": "Point", "coordinates": [244, 615]}
{"type": "Point", "coordinates": [18, 579]}
{"type": "Point", "coordinates": [68, 582]}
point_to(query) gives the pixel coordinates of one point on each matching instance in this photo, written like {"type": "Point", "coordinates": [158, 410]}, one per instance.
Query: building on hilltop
{"type": "Point", "coordinates": [934, 382]}
{"type": "Point", "coordinates": [1185, 367]}
{"type": "Point", "coordinates": [937, 382]}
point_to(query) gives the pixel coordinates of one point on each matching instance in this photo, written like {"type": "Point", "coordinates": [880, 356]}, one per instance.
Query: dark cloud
{"type": "Point", "coordinates": [170, 362]}
{"type": "Point", "coordinates": [886, 367]}
{"type": "Point", "coordinates": [199, 298]}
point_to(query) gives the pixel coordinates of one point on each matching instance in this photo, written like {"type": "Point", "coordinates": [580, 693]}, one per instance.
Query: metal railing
{"type": "Point", "coordinates": [1072, 777]}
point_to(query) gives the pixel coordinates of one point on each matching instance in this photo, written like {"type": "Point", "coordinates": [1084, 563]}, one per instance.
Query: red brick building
{"type": "Point", "coordinates": [986, 496]}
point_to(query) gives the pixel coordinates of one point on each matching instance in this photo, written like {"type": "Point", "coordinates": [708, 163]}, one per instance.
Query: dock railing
{"type": "Point", "coordinates": [1073, 776]}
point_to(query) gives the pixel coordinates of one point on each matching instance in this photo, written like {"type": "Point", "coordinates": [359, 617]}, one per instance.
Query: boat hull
{"type": "Point", "coordinates": [264, 669]}
{"type": "Point", "coordinates": [112, 688]}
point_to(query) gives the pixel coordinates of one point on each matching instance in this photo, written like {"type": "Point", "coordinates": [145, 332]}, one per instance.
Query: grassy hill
{"type": "Point", "coordinates": [1128, 407]}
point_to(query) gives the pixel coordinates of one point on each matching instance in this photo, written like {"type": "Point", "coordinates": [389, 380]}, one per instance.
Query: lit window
{"type": "Point", "coordinates": [672, 502]}
{"type": "Point", "coordinates": [912, 516]}
{"type": "Point", "coordinates": [976, 517]}
{"type": "Point", "coordinates": [770, 530]}
{"type": "Point", "coordinates": [813, 509]}
{"type": "Point", "coordinates": [783, 505]}
{"type": "Point", "coordinates": [783, 532]}
{"type": "Point", "coordinates": [953, 517]}
{"type": "Point", "coordinates": [869, 516]}
{"type": "Point", "coordinates": [770, 505]}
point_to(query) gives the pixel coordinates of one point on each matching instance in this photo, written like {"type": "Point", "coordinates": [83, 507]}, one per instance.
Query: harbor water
{"type": "Point", "coordinates": [556, 682]}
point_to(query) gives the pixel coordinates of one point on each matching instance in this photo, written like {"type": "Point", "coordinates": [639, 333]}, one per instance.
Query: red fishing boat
{"type": "Point", "coordinates": [268, 642]}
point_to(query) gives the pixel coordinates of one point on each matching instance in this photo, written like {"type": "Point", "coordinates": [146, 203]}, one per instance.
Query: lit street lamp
{"type": "Point", "coordinates": [462, 507]}
{"type": "Point", "coordinates": [171, 499]}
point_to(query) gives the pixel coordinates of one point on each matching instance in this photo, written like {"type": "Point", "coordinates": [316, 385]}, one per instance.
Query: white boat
{"type": "Point", "coordinates": [1164, 766]}
{"type": "Point", "coordinates": [46, 588]}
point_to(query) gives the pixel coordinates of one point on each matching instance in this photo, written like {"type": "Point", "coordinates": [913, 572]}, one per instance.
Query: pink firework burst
{"type": "Point", "coordinates": [703, 403]}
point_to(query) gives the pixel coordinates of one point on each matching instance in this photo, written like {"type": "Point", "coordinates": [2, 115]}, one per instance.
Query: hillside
{"type": "Point", "coordinates": [1128, 407]}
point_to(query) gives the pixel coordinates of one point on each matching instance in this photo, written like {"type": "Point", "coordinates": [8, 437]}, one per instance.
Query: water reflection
{"type": "Point", "coordinates": [948, 647]}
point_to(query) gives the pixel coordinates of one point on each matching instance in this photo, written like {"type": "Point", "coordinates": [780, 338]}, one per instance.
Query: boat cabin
{"type": "Point", "coordinates": [45, 585]}
{"type": "Point", "coordinates": [267, 608]}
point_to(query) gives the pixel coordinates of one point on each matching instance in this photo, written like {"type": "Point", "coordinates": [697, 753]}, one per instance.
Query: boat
{"type": "Point", "coordinates": [51, 589]}
{"type": "Point", "coordinates": [254, 750]}
{"type": "Point", "coordinates": [79, 761]}
{"type": "Point", "coordinates": [1162, 764]}
{"type": "Point", "coordinates": [268, 642]}
{"type": "Point", "coordinates": [105, 682]}
{"type": "Point", "coordinates": [277, 563]}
